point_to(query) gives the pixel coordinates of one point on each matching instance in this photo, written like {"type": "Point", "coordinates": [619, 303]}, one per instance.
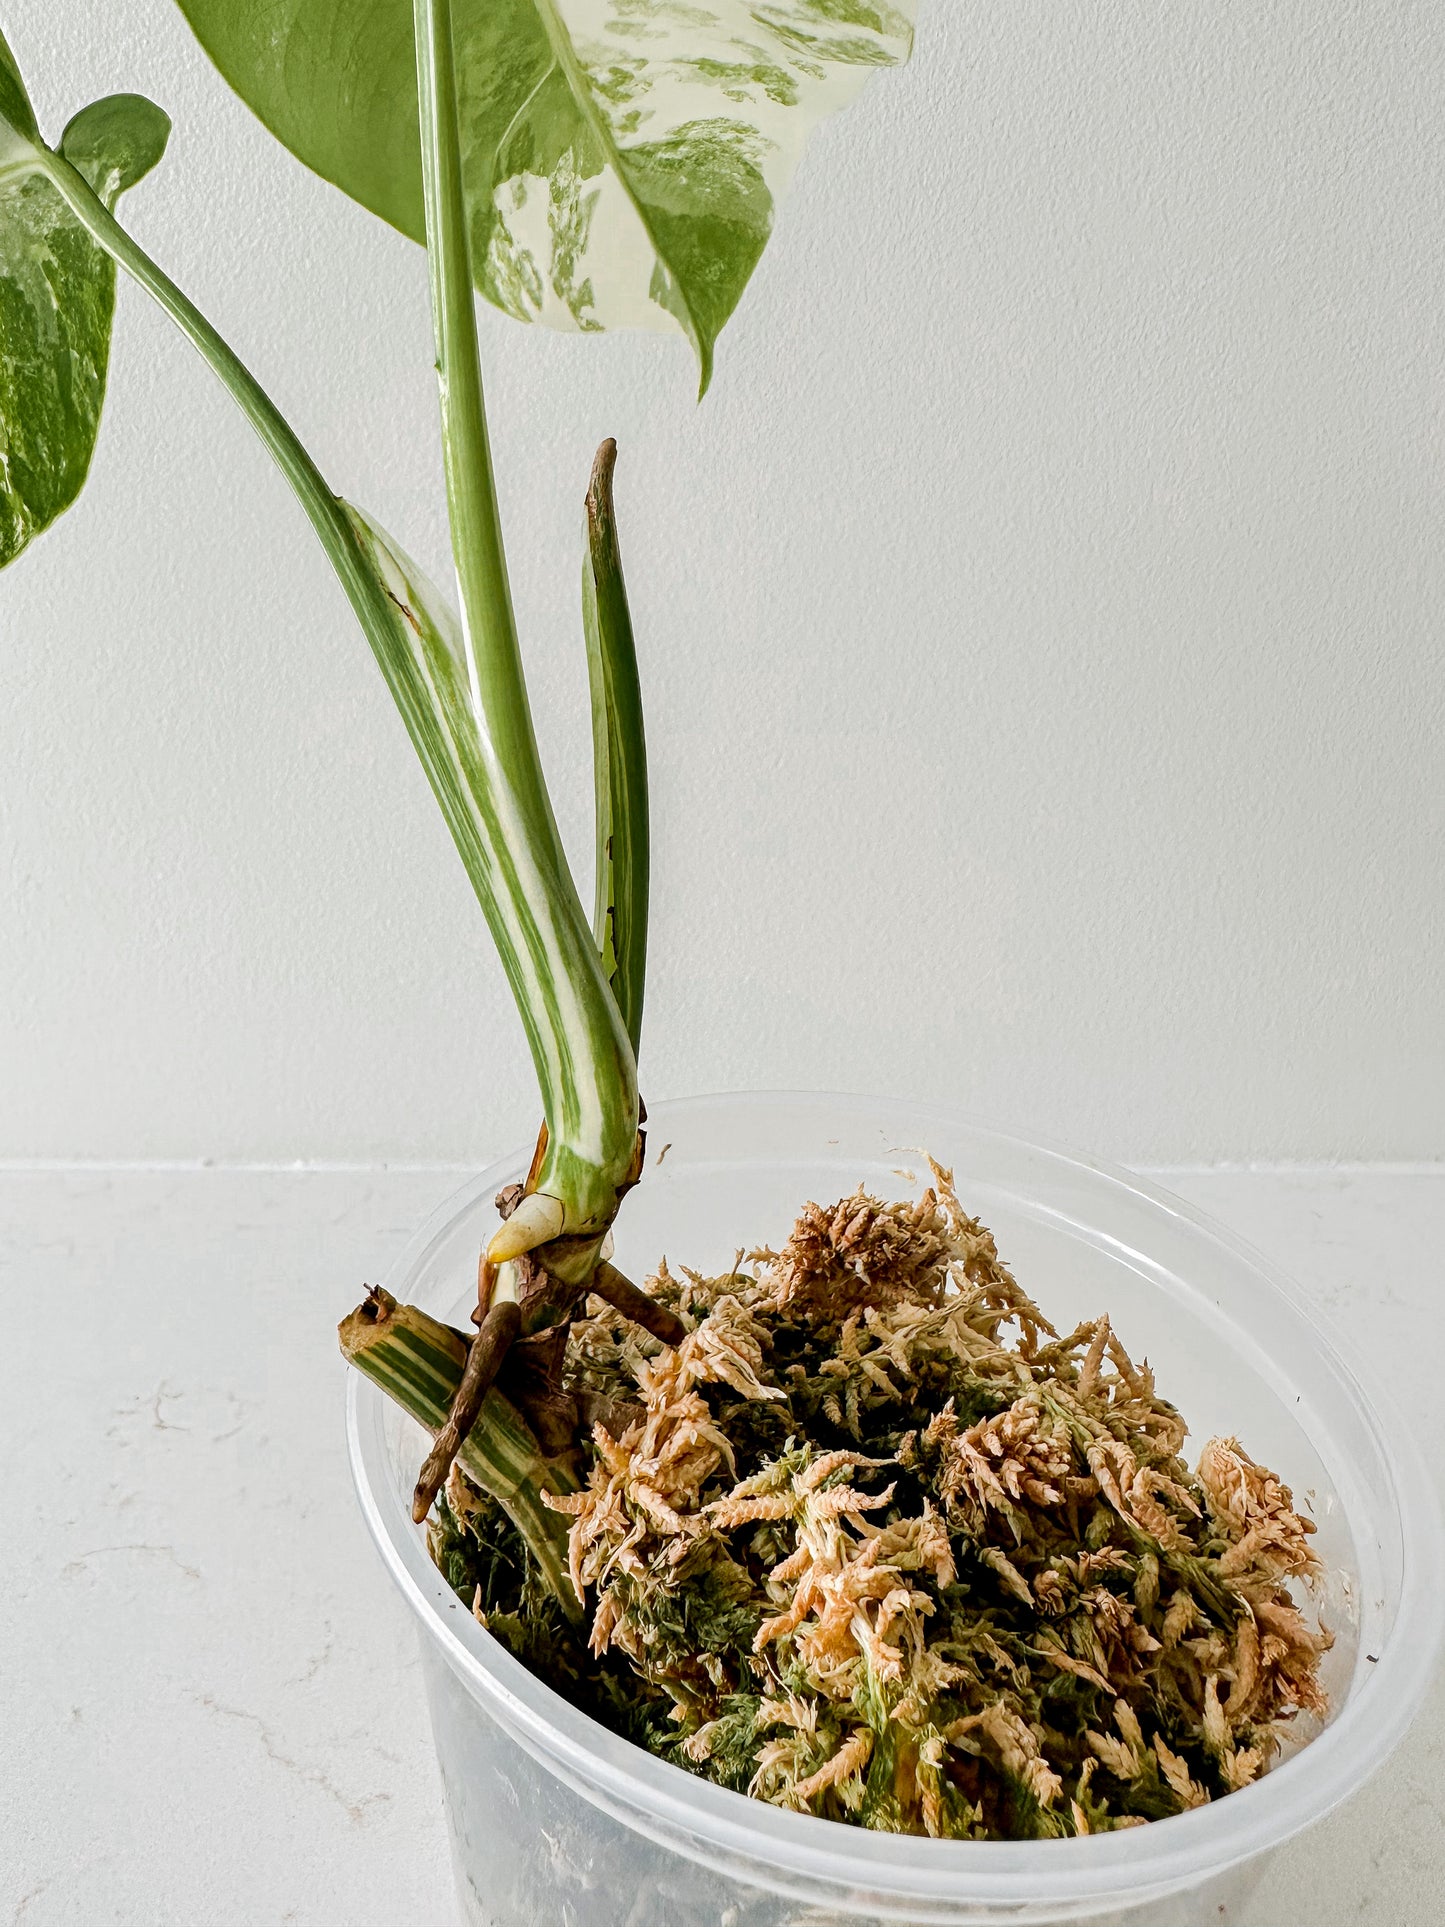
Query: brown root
{"type": "Point", "coordinates": [609, 1284]}
{"type": "Point", "coordinates": [485, 1357]}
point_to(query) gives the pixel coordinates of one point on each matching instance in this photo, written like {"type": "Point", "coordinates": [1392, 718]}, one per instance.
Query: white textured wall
{"type": "Point", "coordinates": [1040, 620]}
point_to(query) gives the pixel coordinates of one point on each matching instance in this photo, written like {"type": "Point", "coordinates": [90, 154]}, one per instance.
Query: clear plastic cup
{"type": "Point", "coordinates": [557, 1823]}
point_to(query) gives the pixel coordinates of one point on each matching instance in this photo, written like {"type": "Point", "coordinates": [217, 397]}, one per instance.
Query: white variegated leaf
{"type": "Point", "coordinates": [623, 158]}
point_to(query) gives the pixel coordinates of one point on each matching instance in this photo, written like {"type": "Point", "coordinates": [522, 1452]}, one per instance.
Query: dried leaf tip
{"type": "Point", "coordinates": [599, 489]}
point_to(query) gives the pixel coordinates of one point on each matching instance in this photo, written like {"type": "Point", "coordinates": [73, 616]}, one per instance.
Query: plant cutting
{"type": "Point", "coordinates": [852, 1525]}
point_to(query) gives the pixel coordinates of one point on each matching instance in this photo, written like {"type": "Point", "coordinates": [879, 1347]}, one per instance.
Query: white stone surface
{"type": "Point", "coordinates": [1040, 623]}
{"type": "Point", "coordinates": [209, 1705]}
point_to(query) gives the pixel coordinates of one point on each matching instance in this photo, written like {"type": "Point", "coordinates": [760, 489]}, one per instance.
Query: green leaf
{"type": "Point", "coordinates": [116, 142]}
{"type": "Point", "coordinates": [17, 117]}
{"type": "Point", "coordinates": [619, 755]}
{"type": "Point", "coordinates": [57, 298]}
{"type": "Point", "coordinates": [623, 157]}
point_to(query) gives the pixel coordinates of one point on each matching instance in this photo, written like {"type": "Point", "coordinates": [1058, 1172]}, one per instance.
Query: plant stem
{"type": "Point", "coordinates": [482, 762]}
{"type": "Point", "coordinates": [326, 514]}
{"type": "Point", "coordinates": [599, 1095]}
{"type": "Point", "coordinates": [489, 627]}
{"type": "Point", "coordinates": [419, 1362]}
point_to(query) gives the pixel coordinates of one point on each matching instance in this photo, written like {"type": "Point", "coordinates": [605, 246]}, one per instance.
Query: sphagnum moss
{"type": "Point", "coordinates": [875, 1541]}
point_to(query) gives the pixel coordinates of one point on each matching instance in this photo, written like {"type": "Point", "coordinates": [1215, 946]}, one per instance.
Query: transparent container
{"type": "Point", "coordinates": [557, 1823]}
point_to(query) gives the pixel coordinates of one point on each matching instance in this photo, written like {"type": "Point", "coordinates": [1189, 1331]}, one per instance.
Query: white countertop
{"type": "Point", "coordinates": [210, 1710]}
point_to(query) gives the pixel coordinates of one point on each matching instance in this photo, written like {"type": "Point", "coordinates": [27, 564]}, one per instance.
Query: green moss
{"type": "Point", "coordinates": [1049, 1632]}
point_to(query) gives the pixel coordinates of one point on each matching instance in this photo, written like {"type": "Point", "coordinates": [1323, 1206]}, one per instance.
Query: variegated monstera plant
{"type": "Point", "coordinates": [590, 164]}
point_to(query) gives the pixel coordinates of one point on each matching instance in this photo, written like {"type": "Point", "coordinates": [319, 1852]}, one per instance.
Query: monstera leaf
{"type": "Point", "coordinates": [622, 157]}
{"type": "Point", "coordinates": [57, 298]}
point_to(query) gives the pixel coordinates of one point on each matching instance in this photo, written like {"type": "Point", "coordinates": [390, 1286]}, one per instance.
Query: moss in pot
{"type": "Point", "coordinates": [865, 1536]}
{"type": "Point", "coordinates": [850, 1527]}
